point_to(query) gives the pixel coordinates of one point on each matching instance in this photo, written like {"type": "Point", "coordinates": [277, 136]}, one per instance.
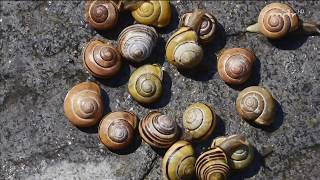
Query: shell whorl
{"type": "Point", "coordinates": [179, 161]}
{"type": "Point", "coordinates": [101, 59]}
{"type": "Point", "coordinates": [101, 14]}
{"type": "Point", "coordinates": [256, 104]}
{"type": "Point", "coordinates": [212, 164]}
{"type": "Point", "coordinates": [199, 121]}
{"type": "Point", "coordinates": [158, 130]}
{"type": "Point", "coordinates": [137, 41]}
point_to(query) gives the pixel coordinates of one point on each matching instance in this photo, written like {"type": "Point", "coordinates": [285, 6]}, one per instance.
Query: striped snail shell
{"type": "Point", "coordinates": [212, 165]}
{"type": "Point", "coordinates": [136, 42]}
{"type": "Point", "coordinates": [235, 65]}
{"type": "Point", "coordinates": [256, 104]}
{"type": "Point", "coordinates": [145, 84]}
{"type": "Point", "coordinates": [83, 105]}
{"type": "Point", "coordinates": [179, 161]}
{"type": "Point", "coordinates": [208, 27]}
{"type": "Point", "coordinates": [199, 121]}
{"type": "Point", "coordinates": [239, 151]}
{"type": "Point", "coordinates": [116, 130]}
{"type": "Point", "coordinates": [101, 59]}
{"type": "Point", "coordinates": [275, 21]}
{"type": "Point", "coordinates": [101, 14]}
{"type": "Point", "coordinates": [182, 48]}
{"type": "Point", "coordinates": [158, 130]}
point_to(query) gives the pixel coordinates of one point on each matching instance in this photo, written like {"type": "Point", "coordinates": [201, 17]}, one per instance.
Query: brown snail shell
{"type": "Point", "coordinates": [116, 130]}
{"type": "Point", "coordinates": [208, 27]}
{"type": "Point", "coordinates": [179, 161]}
{"type": "Point", "coordinates": [158, 130]}
{"type": "Point", "coordinates": [101, 59]}
{"type": "Point", "coordinates": [212, 165]}
{"type": "Point", "coordinates": [256, 104]}
{"type": "Point", "coordinates": [136, 42]}
{"type": "Point", "coordinates": [235, 65]}
{"type": "Point", "coordinates": [238, 149]}
{"type": "Point", "coordinates": [83, 104]}
{"type": "Point", "coordinates": [199, 121]}
{"type": "Point", "coordinates": [101, 14]}
{"type": "Point", "coordinates": [145, 84]}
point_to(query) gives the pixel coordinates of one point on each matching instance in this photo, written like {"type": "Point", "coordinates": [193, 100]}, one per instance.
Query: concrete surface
{"type": "Point", "coordinates": [41, 44]}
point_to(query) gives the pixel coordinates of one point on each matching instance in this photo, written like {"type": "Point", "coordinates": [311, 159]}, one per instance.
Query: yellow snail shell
{"type": "Point", "coordinates": [275, 21]}
{"type": "Point", "coordinates": [83, 105]}
{"type": "Point", "coordinates": [212, 165]}
{"type": "Point", "coordinates": [158, 130]}
{"type": "Point", "coordinates": [101, 59]}
{"type": "Point", "coordinates": [235, 65]}
{"type": "Point", "coordinates": [179, 161]}
{"type": "Point", "coordinates": [145, 84]}
{"type": "Point", "coordinates": [238, 150]}
{"type": "Point", "coordinates": [199, 121]}
{"type": "Point", "coordinates": [101, 14]}
{"type": "Point", "coordinates": [136, 42]}
{"type": "Point", "coordinates": [116, 130]}
{"type": "Point", "coordinates": [256, 105]}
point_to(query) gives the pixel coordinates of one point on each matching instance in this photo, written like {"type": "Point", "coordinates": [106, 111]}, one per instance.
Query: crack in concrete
{"type": "Point", "coordinates": [144, 176]}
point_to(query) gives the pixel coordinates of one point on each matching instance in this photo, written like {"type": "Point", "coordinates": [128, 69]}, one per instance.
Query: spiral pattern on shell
{"type": "Point", "coordinates": [101, 59]}
{"type": "Point", "coordinates": [136, 42]}
{"type": "Point", "coordinates": [238, 150]}
{"type": "Point", "coordinates": [199, 121]}
{"type": "Point", "coordinates": [83, 105]}
{"type": "Point", "coordinates": [116, 130]}
{"type": "Point", "coordinates": [277, 20]}
{"type": "Point", "coordinates": [212, 164]}
{"type": "Point", "coordinates": [235, 65]}
{"type": "Point", "coordinates": [158, 130]}
{"type": "Point", "coordinates": [155, 13]}
{"type": "Point", "coordinates": [101, 14]}
{"type": "Point", "coordinates": [179, 161]}
{"type": "Point", "coordinates": [256, 105]}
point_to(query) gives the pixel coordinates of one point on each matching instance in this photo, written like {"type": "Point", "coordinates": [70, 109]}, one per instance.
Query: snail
{"type": "Point", "coordinates": [199, 121]}
{"type": "Point", "coordinates": [277, 20]}
{"type": "Point", "coordinates": [182, 48]}
{"type": "Point", "coordinates": [239, 151]}
{"type": "Point", "coordinates": [136, 42]}
{"type": "Point", "coordinates": [145, 84]}
{"type": "Point", "coordinates": [212, 165]}
{"type": "Point", "coordinates": [256, 104]}
{"type": "Point", "coordinates": [179, 161]}
{"type": "Point", "coordinates": [158, 130]}
{"type": "Point", "coordinates": [208, 27]}
{"type": "Point", "coordinates": [116, 130]}
{"type": "Point", "coordinates": [235, 65]}
{"type": "Point", "coordinates": [83, 104]}
{"type": "Point", "coordinates": [101, 59]}
{"type": "Point", "coordinates": [101, 14]}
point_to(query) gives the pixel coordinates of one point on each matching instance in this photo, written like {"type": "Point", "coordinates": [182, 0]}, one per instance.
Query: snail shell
{"type": "Point", "coordinates": [207, 29]}
{"type": "Point", "coordinates": [256, 104]}
{"type": "Point", "coordinates": [101, 14]}
{"type": "Point", "coordinates": [101, 59]}
{"type": "Point", "coordinates": [199, 121]}
{"type": "Point", "coordinates": [156, 13]}
{"type": "Point", "coordinates": [145, 84]}
{"type": "Point", "coordinates": [179, 161]}
{"type": "Point", "coordinates": [275, 21]}
{"type": "Point", "coordinates": [83, 105]}
{"type": "Point", "coordinates": [238, 150]}
{"type": "Point", "coordinates": [158, 130]}
{"type": "Point", "coordinates": [136, 42]}
{"type": "Point", "coordinates": [116, 130]}
{"type": "Point", "coordinates": [212, 165]}
{"type": "Point", "coordinates": [235, 65]}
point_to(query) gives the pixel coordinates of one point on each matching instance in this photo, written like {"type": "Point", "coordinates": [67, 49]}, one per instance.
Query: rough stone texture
{"type": "Point", "coordinates": [41, 44]}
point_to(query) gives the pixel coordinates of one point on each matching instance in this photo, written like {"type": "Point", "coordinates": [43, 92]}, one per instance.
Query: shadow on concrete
{"type": "Point", "coordinates": [290, 42]}
{"type": "Point", "coordinates": [173, 23]}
